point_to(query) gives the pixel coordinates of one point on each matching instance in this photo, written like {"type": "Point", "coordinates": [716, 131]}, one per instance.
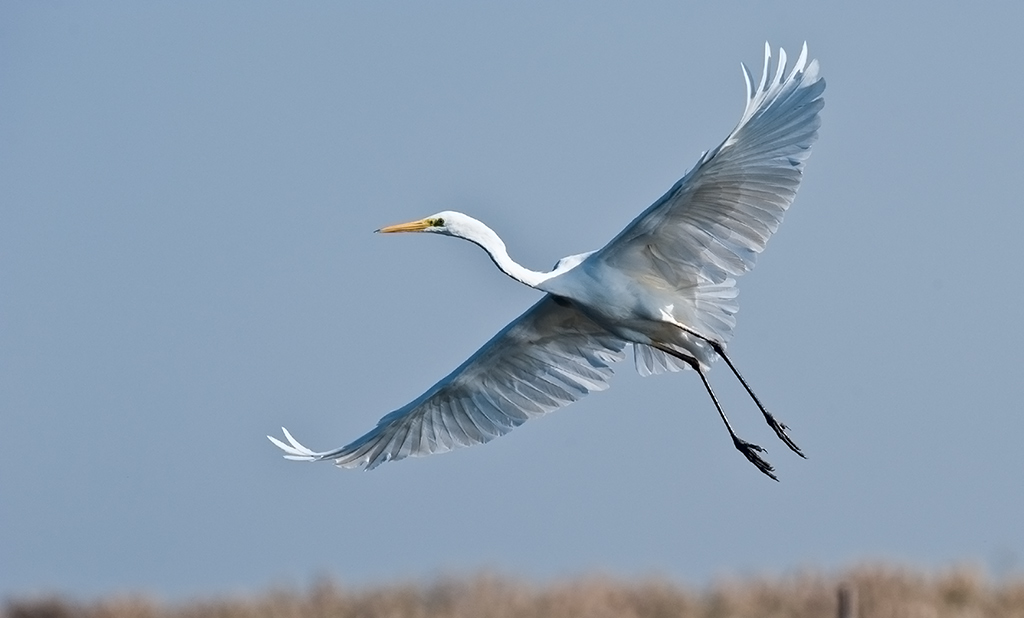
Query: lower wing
{"type": "Point", "coordinates": [547, 358]}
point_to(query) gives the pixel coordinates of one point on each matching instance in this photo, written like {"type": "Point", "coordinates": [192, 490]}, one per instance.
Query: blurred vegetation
{"type": "Point", "coordinates": [875, 591]}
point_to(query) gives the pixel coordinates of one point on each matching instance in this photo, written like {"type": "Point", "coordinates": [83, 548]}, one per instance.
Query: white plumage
{"type": "Point", "coordinates": [665, 284]}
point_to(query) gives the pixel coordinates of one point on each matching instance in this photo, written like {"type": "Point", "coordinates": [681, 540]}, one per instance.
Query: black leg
{"type": "Point", "coordinates": [779, 428]}
{"type": "Point", "coordinates": [749, 450]}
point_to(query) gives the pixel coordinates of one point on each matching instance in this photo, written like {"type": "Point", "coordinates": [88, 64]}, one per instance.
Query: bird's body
{"type": "Point", "coordinates": [665, 284]}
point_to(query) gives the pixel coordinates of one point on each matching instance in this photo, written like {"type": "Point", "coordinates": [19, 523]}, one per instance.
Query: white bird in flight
{"type": "Point", "coordinates": [665, 285]}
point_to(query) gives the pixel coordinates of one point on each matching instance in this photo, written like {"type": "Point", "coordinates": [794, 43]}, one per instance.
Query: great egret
{"type": "Point", "coordinates": [664, 284]}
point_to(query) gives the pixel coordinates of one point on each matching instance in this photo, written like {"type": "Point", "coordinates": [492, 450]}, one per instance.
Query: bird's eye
{"type": "Point", "coordinates": [438, 222]}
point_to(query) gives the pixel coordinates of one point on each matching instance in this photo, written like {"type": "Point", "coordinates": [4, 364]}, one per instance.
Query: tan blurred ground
{"type": "Point", "coordinates": [876, 591]}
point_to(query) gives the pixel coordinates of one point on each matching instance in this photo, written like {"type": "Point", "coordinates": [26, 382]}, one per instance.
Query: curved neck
{"type": "Point", "coordinates": [490, 242]}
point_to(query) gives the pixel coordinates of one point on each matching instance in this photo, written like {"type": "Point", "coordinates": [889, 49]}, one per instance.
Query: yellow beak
{"type": "Point", "coordinates": [412, 226]}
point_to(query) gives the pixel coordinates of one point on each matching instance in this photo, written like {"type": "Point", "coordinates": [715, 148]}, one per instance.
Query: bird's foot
{"type": "Point", "coordinates": [750, 451]}
{"type": "Point", "coordinates": [780, 430]}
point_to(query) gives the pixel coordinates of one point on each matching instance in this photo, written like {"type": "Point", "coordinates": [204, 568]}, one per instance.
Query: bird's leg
{"type": "Point", "coordinates": [777, 427]}
{"type": "Point", "coordinates": [749, 450]}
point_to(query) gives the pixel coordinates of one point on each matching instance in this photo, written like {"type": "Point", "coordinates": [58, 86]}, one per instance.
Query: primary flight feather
{"type": "Point", "coordinates": [665, 284]}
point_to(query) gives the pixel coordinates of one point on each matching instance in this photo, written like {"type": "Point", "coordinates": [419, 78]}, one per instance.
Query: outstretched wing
{"type": "Point", "coordinates": [710, 226]}
{"type": "Point", "coordinates": [547, 358]}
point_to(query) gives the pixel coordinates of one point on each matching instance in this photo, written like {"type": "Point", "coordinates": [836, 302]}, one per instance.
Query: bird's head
{"type": "Point", "coordinates": [451, 223]}
{"type": "Point", "coordinates": [447, 222]}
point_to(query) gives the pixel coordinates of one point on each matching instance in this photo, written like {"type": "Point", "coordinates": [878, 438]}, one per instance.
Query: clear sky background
{"type": "Point", "coordinates": [187, 198]}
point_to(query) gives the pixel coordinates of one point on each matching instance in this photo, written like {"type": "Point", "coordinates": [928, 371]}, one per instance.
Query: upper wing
{"type": "Point", "coordinates": [547, 358]}
{"type": "Point", "coordinates": [709, 227]}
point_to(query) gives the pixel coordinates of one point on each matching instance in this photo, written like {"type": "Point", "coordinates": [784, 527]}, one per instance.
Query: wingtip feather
{"type": "Point", "coordinates": [780, 68]}
{"type": "Point", "coordinates": [294, 450]}
{"type": "Point", "coordinates": [749, 80]}
{"type": "Point", "coordinates": [767, 61]}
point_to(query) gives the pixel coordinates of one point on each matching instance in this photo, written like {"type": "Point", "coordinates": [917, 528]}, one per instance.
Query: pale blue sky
{"type": "Point", "coordinates": [187, 199]}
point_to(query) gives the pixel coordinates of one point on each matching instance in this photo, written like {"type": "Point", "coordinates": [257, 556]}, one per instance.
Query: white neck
{"type": "Point", "coordinates": [478, 233]}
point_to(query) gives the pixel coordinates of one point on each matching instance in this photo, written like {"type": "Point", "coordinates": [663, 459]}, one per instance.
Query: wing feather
{"type": "Point", "coordinates": [711, 225]}
{"type": "Point", "coordinates": [547, 358]}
